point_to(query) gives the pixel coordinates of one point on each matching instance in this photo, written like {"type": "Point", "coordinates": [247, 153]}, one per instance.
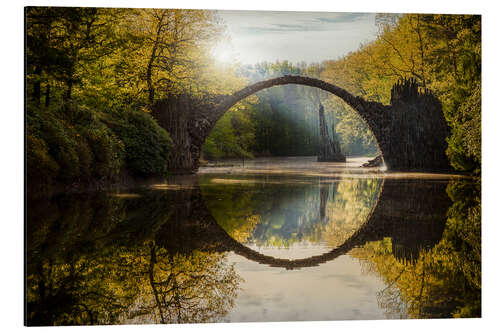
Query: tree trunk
{"type": "Point", "coordinates": [149, 70]}
{"type": "Point", "coordinates": [151, 91]}
{"type": "Point", "coordinates": [36, 85]}
{"type": "Point", "coordinates": [47, 95]}
{"type": "Point", "coordinates": [67, 96]}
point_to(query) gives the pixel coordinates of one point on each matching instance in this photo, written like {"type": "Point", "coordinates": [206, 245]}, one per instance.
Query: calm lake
{"type": "Point", "coordinates": [276, 239]}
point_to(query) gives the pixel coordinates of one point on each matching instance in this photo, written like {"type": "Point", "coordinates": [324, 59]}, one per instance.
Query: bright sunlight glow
{"type": "Point", "coordinates": [225, 53]}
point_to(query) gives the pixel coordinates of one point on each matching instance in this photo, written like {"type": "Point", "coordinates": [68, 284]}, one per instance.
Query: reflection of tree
{"type": "Point", "coordinates": [187, 289]}
{"type": "Point", "coordinates": [277, 213]}
{"type": "Point", "coordinates": [90, 262]}
{"type": "Point", "coordinates": [234, 206]}
{"type": "Point", "coordinates": [389, 299]}
{"type": "Point", "coordinates": [92, 289]}
{"type": "Point", "coordinates": [445, 281]}
{"type": "Point", "coordinates": [349, 208]}
{"type": "Point", "coordinates": [324, 193]}
{"type": "Point", "coordinates": [68, 273]}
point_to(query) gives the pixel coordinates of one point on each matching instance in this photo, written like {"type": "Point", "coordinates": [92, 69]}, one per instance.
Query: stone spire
{"type": "Point", "coordinates": [329, 149]}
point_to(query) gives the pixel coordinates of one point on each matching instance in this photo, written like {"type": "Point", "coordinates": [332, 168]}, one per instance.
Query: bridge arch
{"type": "Point", "coordinates": [368, 111]}
{"type": "Point", "coordinates": [410, 132]}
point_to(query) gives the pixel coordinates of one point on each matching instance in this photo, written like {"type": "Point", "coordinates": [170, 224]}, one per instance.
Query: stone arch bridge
{"type": "Point", "coordinates": [410, 132]}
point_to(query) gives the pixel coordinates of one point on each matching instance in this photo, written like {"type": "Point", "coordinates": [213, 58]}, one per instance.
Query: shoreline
{"type": "Point", "coordinates": [291, 166]}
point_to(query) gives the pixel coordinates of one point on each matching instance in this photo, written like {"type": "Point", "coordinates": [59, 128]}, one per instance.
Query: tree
{"type": "Point", "coordinates": [61, 44]}
{"type": "Point", "coordinates": [442, 53]}
{"type": "Point", "coordinates": [168, 48]}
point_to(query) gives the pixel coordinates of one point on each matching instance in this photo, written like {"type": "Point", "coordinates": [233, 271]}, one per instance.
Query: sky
{"type": "Point", "coordinates": [255, 36]}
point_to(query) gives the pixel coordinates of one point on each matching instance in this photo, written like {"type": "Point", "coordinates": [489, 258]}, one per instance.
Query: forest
{"type": "Point", "coordinates": [93, 75]}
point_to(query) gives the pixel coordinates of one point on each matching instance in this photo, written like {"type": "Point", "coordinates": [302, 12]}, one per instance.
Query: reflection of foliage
{"type": "Point", "coordinates": [463, 232]}
{"type": "Point", "coordinates": [197, 288]}
{"type": "Point", "coordinates": [445, 281]}
{"type": "Point", "coordinates": [281, 215]}
{"type": "Point", "coordinates": [90, 262]}
{"type": "Point", "coordinates": [93, 289]}
{"type": "Point", "coordinates": [349, 208]}
{"type": "Point", "coordinates": [233, 207]}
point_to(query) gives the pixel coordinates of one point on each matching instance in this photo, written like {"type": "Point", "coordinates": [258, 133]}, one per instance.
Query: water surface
{"type": "Point", "coordinates": [271, 240]}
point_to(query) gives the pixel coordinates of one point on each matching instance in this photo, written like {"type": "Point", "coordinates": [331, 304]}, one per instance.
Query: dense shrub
{"type": "Point", "coordinates": [147, 145]}
{"type": "Point", "coordinates": [70, 144]}
{"type": "Point", "coordinates": [464, 144]}
{"type": "Point", "coordinates": [41, 165]}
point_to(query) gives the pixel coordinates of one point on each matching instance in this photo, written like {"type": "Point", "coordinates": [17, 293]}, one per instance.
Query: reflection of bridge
{"type": "Point", "coordinates": [410, 132]}
{"type": "Point", "coordinates": [412, 213]}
